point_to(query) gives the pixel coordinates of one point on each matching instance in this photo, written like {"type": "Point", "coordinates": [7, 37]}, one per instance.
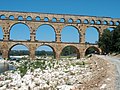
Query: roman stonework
{"type": "Point", "coordinates": [58, 22]}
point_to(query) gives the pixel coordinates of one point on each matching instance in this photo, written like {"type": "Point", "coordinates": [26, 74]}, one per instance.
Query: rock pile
{"type": "Point", "coordinates": [62, 75]}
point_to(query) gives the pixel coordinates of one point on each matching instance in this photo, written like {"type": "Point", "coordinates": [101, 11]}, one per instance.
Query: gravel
{"type": "Point", "coordinates": [116, 62]}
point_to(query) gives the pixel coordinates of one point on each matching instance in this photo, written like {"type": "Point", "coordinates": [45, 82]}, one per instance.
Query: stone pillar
{"type": "Point", "coordinates": [57, 56]}
{"type": "Point", "coordinates": [5, 54]}
{"type": "Point", "coordinates": [5, 50]}
{"type": "Point", "coordinates": [33, 29]}
{"type": "Point", "coordinates": [58, 37]}
{"type": "Point", "coordinates": [58, 51]}
{"type": "Point", "coordinates": [6, 31]}
{"type": "Point", "coordinates": [32, 52]}
{"type": "Point", "coordinates": [32, 36]}
{"type": "Point", "coordinates": [6, 37]}
{"type": "Point", "coordinates": [82, 38]}
{"type": "Point", "coordinates": [82, 54]}
{"type": "Point", "coordinates": [83, 30]}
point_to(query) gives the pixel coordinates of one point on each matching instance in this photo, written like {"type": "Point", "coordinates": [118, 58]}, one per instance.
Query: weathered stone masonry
{"type": "Point", "coordinates": [58, 22]}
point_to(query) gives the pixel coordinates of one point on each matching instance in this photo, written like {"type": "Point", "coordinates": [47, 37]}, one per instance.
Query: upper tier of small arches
{"type": "Point", "coordinates": [73, 19]}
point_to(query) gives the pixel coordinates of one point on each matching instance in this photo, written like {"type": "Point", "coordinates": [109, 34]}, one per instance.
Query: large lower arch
{"type": "Point", "coordinates": [18, 51]}
{"type": "Point", "coordinates": [92, 50]}
{"type": "Point", "coordinates": [1, 33]}
{"type": "Point", "coordinates": [92, 35]}
{"type": "Point", "coordinates": [19, 31]}
{"type": "Point", "coordinates": [70, 51]}
{"type": "Point", "coordinates": [70, 34]}
{"type": "Point", "coordinates": [45, 32]}
{"type": "Point", "coordinates": [45, 51]}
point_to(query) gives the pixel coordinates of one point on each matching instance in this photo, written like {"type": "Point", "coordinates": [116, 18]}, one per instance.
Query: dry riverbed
{"type": "Point", "coordinates": [92, 73]}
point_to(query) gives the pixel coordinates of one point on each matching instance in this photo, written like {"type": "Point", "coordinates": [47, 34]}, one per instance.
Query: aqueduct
{"type": "Point", "coordinates": [58, 22]}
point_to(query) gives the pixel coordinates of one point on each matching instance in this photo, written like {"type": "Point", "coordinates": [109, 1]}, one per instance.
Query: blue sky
{"type": "Point", "coordinates": [108, 8]}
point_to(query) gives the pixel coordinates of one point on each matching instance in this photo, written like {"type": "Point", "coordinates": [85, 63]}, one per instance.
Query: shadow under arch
{"type": "Point", "coordinates": [21, 52]}
{"type": "Point", "coordinates": [25, 29]}
{"type": "Point", "coordinates": [46, 32]}
{"type": "Point", "coordinates": [67, 36]}
{"type": "Point", "coordinates": [70, 51]}
{"type": "Point", "coordinates": [92, 34]}
{"type": "Point", "coordinates": [45, 52]}
{"type": "Point", "coordinates": [92, 50]}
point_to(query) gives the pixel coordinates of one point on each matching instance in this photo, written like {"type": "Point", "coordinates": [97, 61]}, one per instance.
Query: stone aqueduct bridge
{"type": "Point", "coordinates": [58, 22]}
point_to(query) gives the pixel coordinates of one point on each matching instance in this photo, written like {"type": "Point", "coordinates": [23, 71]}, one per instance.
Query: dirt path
{"type": "Point", "coordinates": [116, 62]}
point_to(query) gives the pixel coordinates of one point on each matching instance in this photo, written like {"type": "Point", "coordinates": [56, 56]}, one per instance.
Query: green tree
{"type": "Point", "coordinates": [105, 41]}
{"type": "Point", "coordinates": [116, 39]}
{"type": "Point", "coordinates": [68, 50]}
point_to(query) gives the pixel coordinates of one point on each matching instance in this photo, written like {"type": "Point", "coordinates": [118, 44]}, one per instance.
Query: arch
{"type": "Point", "coordinates": [11, 17]}
{"type": "Point", "coordinates": [45, 51]}
{"type": "Point", "coordinates": [1, 33]}
{"type": "Point", "coordinates": [117, 23]}
{"type": "Point", "coordinates": [62, 20]}
{"type": "Point", "coordinates": [20, 17]}
{"type": "Point", "coordinates": [46, 32]}
{"type": "Point", "coordinates": [70, 20]}
{"type": "Point", "coordinates": [92, 35]}
{"type": "Point", "coordinates": [46, 19]}
{"type": "Point", "coordinates": [110, 28]}
{"type": "Point", "coordinates": [105, 22]}
{"type": "Point", "coordinates": [70, 51]}
{"type": "Point", "coordinates": [2, 17]}
{"type": "Point", "coordinates": [92, 22]}
{"type": "Point", "coordinates": [19, 50]}
{"type": "Point", "coordinates": [29, 18]}
{"type": "Point", "coordinates": [98, 22]}
{"type": "Point", "coordinates": [17, 34]}
{"type": "Point", "coordinates": [111, 23]}
{"type": "Point", "coordinates": [37, 18]}
{"type": "Point", "coordinates": [86, 21]}
{"type": "Point", "coordinates": [54, 19]}
{"type": "Point", "coordinates": [78, 21]}
{"type": "Point", "coordinates": [92, 50]}
{"type": "Point", "coordinates": [68, 32]}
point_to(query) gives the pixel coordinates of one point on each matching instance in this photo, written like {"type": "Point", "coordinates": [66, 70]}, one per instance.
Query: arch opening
{"type": "Point", "coordinates": [11, 17]}
{"type": "Point", "coordinates": [37, 18]}
{"type": "Point", "coordinates": [117, 23]}
{"type": "Point", "coordinates": [54, 20]}
{"type": "Point", "coordinates": [70, 20]}
{"type": "Point", "coordinates": [1, 33]}
{"type": "Point", "coordinates": [62, 20]}
{"type": "Point", "coordinates": [70, 34]}
{"type": "Point", "coordinates": [78, 21]}
{"type": "Point", "coordinates": [92, 22]}
{"type": "Point", "coordinates": [20, 18]}
{"type": "Point", "coordinates": [46, 19]}
{"type": "Point", "coordinates": [111, 23]}
{"type": "Point", "coordinates": [91, 35]}
{"type": "Point", "coordinates": [86, 21]}
{"type": "Point", "coordinates": [92, 50]}
{"type": "Point", "coordinates": [44, 52]}
{"type": "Point", "coordinates": [70, 52]}
{"type": "Point", "coordinates": [18, 52]}
{"type": "Point", "coordinates": [45, 32]}
{"type": "Point", "coordinates": [110, 29]}
{"type": "Point", "coordinates": [105, 22]}
{"type": "Point", "coordinates": [2, 17]}
{"type": "Point", "coordinates": [17, 30]}
{"type": "Point", "coordinates": [29, 18]}
{"type": "Point", "coordinates": [98, 22]}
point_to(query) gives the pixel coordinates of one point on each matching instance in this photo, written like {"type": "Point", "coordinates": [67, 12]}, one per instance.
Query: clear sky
{"type": "Point", "coordinates": [108, 8]}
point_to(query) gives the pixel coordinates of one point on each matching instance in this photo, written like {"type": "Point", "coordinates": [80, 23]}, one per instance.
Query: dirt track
{"type": "Point", "coordinates": [116, 62]}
